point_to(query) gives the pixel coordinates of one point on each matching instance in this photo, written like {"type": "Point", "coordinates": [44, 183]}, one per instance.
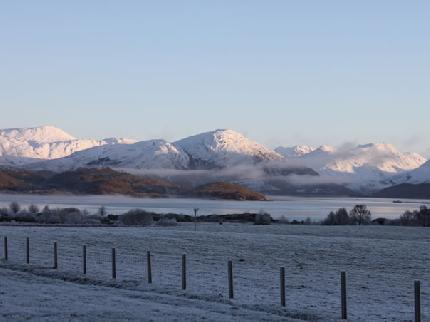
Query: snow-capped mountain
{"type": "Point", "coordinates": [416, 176]}
{"type": "Point", "coordinates": [42, 134]}
{"type": "Point", "coordinates": [224, 148]}
{"type": "Point", "coordinates": [382, 157]}
{"type": "Point", "coordinates": [295, 151]}
{"type": "Point", "coordinates": [359, 166]}
{"type": "Point", "coordinates": [370, 166]}
{"type": "Point", "coordinates": [212, 150]}
{"type": "Point", "coordinates": [21, 146]}
{"type": "Point", "coordinates": [153, 154]}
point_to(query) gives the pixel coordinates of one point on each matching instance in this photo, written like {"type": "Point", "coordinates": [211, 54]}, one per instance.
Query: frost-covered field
{"type": "Point", "coordinates": [381, 264]}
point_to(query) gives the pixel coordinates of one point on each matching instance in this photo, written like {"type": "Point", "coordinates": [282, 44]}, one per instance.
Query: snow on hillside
{"type": "Point", "coordinates": [307, 152]}
{"type": "Point", "coordinates": [383, 158]}
{"type": "Point", "coordinates": [223, 148]}
{"type": "Point", "coordinates": [358, 166]}
{"type": "Point", "coordinates": [367, 167]}
{"type": "Point", "coordinates": [21, 146]}
{"type": "Point", "coordinates": [153, 154]}
{"type": "Point", "coordinates": [212, 150]}
{"type": "Point", "coordinates": [294, 151]}
{"type": "Point", "coordinates": [42, 134]}
{"type": "Point", "coordinates": [418, 175]}
{"type": "Point", "coordinates": [50, 148]}
{"type": "Point", "coordinates": [218, 149]}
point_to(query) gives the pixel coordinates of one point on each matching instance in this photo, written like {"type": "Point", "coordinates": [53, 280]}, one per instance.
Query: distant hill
{"type": "Point", "coordinates": [224, 190]}
{"type": "Point", "coordinates": [406, 190]}
{"type": "Point", "coordinates": [83, 181]}
{"type": "Point", "coordinates": [107, 181]}
{"type": "Point", "coordinates": [10, 182]}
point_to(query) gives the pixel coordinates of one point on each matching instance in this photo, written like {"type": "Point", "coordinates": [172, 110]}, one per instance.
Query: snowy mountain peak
{"type": "Point", "coordinates": [221, 148]}
{"type": "Point", "coordinates": [295, 151]}
{"type": "Point", "coordinates": [299, 151]}
{"type": "Point", "coordinates": [21, 146]}
{"type": "Point", "coordinates": [359, 165]}
{"type": "Point", "coordinates": [41, 134]}
{"type": "Point", "coordinates": [153, 154]}
{"type": "Point", "coordinates": [378, 156]}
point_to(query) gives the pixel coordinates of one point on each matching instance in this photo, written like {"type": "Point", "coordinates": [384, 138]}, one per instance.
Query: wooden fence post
{"type": "Point", "coordinates": [282, 285]}
{"type": "Point", "coordinates": [28, 250]}
{"type": "Point", "coordinates": [55, 255]}
{"type": "Point", "coordinates": [184, 272]}
{"type": "Point", "coordinates": [343, 296]}
{"type": "Point", "coordinates": [113, 263]}
{"type": "Point", "coordinates": [417, 301]}
{"type": "Point", "coordinates": [148, 267]}
{"type": "Point", "coordinates": [84, 259]}
{"type": "Point", "coordinates": [5, 254]}
{"type": "Point", "coordinates": [230, 280]}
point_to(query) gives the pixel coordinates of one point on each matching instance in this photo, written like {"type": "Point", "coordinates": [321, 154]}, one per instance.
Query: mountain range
{"type": "Point", "coordinates": [27, 145]}
{"type": "Point", "coordinates": [224, 154]}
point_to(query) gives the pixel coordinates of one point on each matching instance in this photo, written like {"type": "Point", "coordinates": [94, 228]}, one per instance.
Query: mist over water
{"type": "Point", "coordinates": [290, 207]}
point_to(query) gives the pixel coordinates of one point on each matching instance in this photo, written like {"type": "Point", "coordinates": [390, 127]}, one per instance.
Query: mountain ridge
{"type": "Point", "coordinates": [224, 147]}
{"type": "Point", "coordinates": [371, 166]}
{"type": "Point", "coordinates": [45, 142]}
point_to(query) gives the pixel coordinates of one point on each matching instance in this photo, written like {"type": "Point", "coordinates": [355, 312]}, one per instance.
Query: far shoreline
{"type": "Point", "coordinates": [292, 207]}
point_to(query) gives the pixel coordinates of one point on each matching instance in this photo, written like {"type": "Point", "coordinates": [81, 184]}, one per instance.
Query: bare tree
{"type": "Point", "coordinates": [46, 210]}
{"type": "Point", "coordinates": [14, 207]}
{"type": "Point", "coordinates": [416, 218]}
{"type": "Point", "coordinates": [102, 211]}
{"type": "Point", "coordinates": [33, 209]}
{"type": "Point", "coordinates": [137, 217]}
{"type": "Point", "coordinates": [361, 215]}
{"type": "Point", "coordinates": [340, 217]}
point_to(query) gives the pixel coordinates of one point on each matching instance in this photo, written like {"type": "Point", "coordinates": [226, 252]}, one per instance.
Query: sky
{"type": "Point", "coordinates": [281, 72]}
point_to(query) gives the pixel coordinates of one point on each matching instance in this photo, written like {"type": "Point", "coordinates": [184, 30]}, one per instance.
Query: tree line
{"type": "Point", "coordinates": [358, 215]}
{"type": "Point", "coordinates": [134, 217]}
{"type": "Point", "coordinates": [361, 215]}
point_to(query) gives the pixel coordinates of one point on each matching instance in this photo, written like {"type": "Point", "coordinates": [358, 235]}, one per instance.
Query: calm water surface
{"type": "Point", "coordinates": [291, 207]}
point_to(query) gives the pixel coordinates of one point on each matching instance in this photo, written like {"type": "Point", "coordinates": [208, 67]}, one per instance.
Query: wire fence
{"type": "Point", "coordinates": [128, 264]}
{"type": "Point", "coordinates": [70, 258]}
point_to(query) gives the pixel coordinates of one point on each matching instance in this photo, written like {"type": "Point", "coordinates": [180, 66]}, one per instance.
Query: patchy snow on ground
{"type": "Point", "coordinates": [381, 265]}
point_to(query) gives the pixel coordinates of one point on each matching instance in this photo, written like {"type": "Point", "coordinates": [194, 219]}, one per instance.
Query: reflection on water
{"type": "Point", "coordinates": [291, 207]}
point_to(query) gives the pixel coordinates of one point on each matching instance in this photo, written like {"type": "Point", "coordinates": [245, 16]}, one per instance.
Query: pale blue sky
{"type": "Point", "coordinates": [282, 72]}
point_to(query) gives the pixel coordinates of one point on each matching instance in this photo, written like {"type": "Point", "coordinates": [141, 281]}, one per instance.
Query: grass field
{"type": "Point", "coordinates": [381, 263]}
